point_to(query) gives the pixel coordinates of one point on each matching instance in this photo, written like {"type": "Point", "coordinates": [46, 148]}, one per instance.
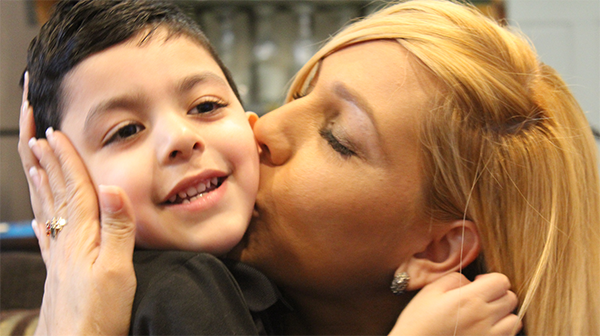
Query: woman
{"type": "Point", "coordinates": [504, 145]}
{"type": "Point", "coordinates": [417, 140]}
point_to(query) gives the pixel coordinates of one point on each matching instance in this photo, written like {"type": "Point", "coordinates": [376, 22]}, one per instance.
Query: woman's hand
{"type": "Point", "coordinates": [453, 305]}
{"type": "Point", "coordinates": [90, 280]}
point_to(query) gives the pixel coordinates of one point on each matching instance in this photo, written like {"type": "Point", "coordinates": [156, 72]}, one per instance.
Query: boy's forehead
{"type": "Point", "coordinates": [148, 36]}
{"type": "Point", "coordinates": [198, 63]}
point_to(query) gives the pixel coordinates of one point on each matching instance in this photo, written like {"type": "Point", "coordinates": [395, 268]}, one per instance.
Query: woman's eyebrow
{"type": "Point", "coordinates": [345, 93]}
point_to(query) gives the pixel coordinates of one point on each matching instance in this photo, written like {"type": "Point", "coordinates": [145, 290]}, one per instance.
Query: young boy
{"type": "Point", "coordinates": [149, 106]}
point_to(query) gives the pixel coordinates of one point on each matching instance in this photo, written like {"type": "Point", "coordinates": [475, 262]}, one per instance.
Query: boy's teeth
{"type": "Point", "coordinates": [191, 191]}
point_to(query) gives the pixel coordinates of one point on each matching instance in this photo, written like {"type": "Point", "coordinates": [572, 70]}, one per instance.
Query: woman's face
{"type": "Point", "coordinates": [340, 202]}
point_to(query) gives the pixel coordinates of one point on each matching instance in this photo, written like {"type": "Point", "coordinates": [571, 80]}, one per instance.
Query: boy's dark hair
{"type": "Point", "coordinates": [78, 29]}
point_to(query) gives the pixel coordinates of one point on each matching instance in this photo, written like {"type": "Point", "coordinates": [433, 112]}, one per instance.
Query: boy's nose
{"type": "Point", "coordinates": [180, 140]}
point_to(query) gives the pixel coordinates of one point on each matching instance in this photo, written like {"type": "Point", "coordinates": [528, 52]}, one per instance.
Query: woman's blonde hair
{"type": "Point", "coordinates": [508, 148]}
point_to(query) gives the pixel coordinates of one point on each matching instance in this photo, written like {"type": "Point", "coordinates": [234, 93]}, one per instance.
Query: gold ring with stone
{"type": "Point", "coordinates": [54, 226]}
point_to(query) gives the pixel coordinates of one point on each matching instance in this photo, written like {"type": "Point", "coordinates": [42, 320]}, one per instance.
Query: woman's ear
{"type": "Point", "coordinates": [453, 246]}
{"type": "Point", "coordinates": [252, 118]}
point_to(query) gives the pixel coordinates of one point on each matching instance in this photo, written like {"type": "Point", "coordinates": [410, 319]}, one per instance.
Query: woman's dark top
{"type": "Point", "coordinates": [187, 293]}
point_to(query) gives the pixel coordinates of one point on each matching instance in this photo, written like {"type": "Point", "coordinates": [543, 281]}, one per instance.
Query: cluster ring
{"type": "Point", "coordinates": [54, 226]}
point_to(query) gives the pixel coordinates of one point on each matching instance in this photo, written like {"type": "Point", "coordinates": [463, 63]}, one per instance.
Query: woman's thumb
{"type": "Point", "coordinates": [118, 224]}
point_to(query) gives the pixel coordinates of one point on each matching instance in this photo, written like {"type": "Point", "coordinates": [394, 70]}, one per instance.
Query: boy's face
{"type": "Point", "coordinates": [160, 121]}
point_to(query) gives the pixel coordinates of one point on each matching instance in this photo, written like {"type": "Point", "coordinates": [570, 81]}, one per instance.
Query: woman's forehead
{"type": "Point", "coordinates": [383, 74]}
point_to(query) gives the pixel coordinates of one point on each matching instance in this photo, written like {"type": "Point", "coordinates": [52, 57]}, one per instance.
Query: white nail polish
{"type": "Point", "coordinates": [49, 133]}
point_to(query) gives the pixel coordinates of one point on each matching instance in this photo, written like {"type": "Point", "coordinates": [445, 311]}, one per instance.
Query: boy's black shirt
{"type": "Point", "coordinates": [187, 293]}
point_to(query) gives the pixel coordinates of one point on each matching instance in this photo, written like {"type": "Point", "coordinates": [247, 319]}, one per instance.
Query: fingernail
{"type": "Point", "coordinates": [24, 108]}
{"type": "Point", "coordinates": [110, 199]}
{"type": "Point", "coordinates": [32, 142]}
{"type": "Point", "coordinates": [35, 177]}
{"type": "Point", "coordinates": [34, 148]}
{"type": "Point", "coordinates": [50, 134]}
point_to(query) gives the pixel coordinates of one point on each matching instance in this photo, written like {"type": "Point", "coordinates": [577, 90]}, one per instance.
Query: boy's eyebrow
{"type": "Point", "coordinates": [125, 102]}
{"type": "Point", "coordinates": [189, 82]}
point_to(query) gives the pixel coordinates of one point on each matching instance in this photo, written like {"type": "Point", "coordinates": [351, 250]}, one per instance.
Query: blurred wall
{"type": "Point", "coordinates": [17, 28]}
{"type": "Point", "coordinates": [566, 34]}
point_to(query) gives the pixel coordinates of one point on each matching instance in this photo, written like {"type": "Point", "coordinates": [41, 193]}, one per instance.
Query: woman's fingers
{"type": "Point", "coordinates": [82, 208]}
{"type": "Point", "coordinates": [509, 325]}
{"type": "Point", "coordinates": [40, 233]}
{"type": "Point", "coordinates": [116, 254]}
{"type": "Point", "coordinates": [493, 289]}
{"type": "Point", "coordinates": [26, 131]}
{"type": "Point", "coordinates": [48, 180]}
{"type": "Point", "coordinates": [489, 287]}
{"type": "Point", "coordinates": [118, 226]}
{"type": "Point", "coordinates": [51, 163]}
{"type": "Point", "coordinates": [28, 160]}
{"type": "Point", "coordinates": [86, 264]}
{"type": "Point", "coordinates": [40, 194]}
{"type": "Point", "coordinates": [503, 307]}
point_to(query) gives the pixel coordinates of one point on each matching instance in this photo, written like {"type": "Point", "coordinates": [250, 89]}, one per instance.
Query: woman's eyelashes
{"type": "Point", "coordinates": [336, 145]}
{"type": "Point", "coordinates": [208, 106]}
{"type": "Point", "coordinates": [124, 132]}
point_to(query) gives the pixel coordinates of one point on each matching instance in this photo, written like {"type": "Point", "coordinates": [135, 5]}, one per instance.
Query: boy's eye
{"type": "Point", "coordinates": [124, 132]}
{"type": "Point", "coordinates": [208, 106]}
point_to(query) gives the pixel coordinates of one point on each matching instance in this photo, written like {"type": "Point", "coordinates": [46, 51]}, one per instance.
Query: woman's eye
{"type": "Point", "coordinates": [336, 145]}
{"type": "Point", "coordinates": [208, 106]}
{"type": "Point", "coordinates": [124, 132]}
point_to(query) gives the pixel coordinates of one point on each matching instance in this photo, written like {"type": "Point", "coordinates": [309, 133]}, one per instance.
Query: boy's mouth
{"type": "Point", "coordinates": [195, 192]}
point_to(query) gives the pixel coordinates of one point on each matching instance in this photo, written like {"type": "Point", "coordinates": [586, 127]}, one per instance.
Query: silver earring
{"type": "Point", "coordinates": [399, 283]}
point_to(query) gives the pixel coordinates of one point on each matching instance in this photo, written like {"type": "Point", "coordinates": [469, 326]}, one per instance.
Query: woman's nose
{"type": "Point", "coordinates": [179, 139]}
{"type": "Point", "coordinates": [275, 136]}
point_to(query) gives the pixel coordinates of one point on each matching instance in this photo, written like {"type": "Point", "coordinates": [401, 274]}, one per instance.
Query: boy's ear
{"type": "Point", "coordinates": [453, 246]}
{"type": "Point", "coordinates": [252, 118]}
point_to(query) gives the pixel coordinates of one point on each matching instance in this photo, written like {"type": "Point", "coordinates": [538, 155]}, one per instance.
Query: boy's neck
{"type": "Point", "coordinates": [356, 315]}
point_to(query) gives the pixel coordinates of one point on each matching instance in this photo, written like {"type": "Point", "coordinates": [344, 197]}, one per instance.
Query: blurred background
{"type": "Point", "coordinates": [264, 42]}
